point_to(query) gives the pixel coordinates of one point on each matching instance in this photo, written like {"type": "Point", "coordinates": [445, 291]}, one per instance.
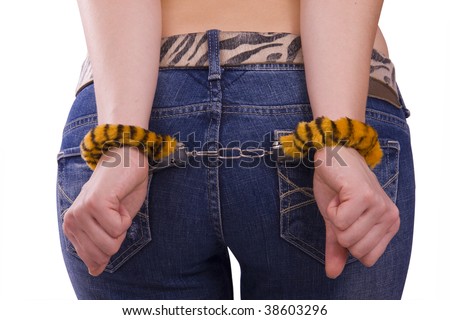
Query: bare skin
{"type": "Point", "coordinates": [180, 17]}
{"type": "Point", "coordinates": [337, 39]}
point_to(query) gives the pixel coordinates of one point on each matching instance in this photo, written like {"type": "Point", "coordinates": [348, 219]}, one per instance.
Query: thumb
{"type": "Point", "coordinates": [335, 254]}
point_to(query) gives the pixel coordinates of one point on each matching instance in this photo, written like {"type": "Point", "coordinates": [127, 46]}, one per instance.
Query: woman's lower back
{"type": "Point", "coordinates": [179, 17]}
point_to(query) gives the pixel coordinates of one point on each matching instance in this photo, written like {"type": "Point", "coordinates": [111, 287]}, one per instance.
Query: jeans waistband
{"type": "Point", "coordinates": [233, 49]}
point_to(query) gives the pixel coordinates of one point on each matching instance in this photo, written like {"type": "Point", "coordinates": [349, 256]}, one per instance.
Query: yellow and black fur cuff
{"type": "Point", "coordinates": [99, 139]}
{"type": "Point", "coordinates": [323, 132]}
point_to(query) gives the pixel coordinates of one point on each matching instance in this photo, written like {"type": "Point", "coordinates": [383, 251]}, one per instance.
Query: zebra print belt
{"type": "Point", "coordinates": [241, 48]}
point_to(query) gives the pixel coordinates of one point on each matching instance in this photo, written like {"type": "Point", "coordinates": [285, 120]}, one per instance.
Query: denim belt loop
{"type": "Point", "coordinates": [213, 55]}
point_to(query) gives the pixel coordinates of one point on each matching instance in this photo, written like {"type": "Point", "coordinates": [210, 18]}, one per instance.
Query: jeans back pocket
{"type": "Point", "coordinates": [301, 223]}
{"type": "Point", "coordinates": [73, 173]}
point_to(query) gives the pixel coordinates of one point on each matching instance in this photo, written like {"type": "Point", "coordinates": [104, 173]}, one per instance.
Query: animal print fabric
{"type": "Point", "coordinates": [242, 48]}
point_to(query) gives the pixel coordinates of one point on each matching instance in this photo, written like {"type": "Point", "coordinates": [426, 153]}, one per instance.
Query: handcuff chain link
{"type": "Point", "coordinates": [230, 153]}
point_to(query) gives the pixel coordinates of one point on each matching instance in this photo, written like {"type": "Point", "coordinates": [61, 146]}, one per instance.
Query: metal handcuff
{"type": "Point", "coordinates": [181, 154]}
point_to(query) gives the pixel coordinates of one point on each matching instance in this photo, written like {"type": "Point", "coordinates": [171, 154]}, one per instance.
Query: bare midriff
{"type": "Point", "coordinates": [188, 16]}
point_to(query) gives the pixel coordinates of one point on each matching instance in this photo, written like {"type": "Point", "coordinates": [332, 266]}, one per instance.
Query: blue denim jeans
{"type": "Point", "coordinates": [260, 208]}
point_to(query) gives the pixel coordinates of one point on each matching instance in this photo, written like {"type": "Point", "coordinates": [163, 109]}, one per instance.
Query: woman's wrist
{"type": "Point", "coordinates": [335, 156]}
{"type": "Point", "coordinates": [126, 157]}
{"type": "Point", "coordinates": [351, 113]}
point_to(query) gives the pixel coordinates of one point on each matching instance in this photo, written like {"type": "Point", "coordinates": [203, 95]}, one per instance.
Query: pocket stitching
{"type": "Point", "coordinates": [314, 252]}
{"type": "Point", "coordinates": [64, 194]}
{"type": "Point", "coordinates": [296, 187]}
{"type": "Point", "coordinates": [301, 190]}
{"type": "Point", "coordinates": [299, 205]}
{"type": "Point", "coordinates": [391, 180]}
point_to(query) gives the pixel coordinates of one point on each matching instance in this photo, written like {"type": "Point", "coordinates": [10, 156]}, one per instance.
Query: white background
{"type": "Point", "coordinates": [42, 48]}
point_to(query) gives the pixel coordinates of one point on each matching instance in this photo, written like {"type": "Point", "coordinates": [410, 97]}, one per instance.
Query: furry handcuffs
{"type": "Point", "coordinates": [105, 136]}
{"type": "Point", "coordinates": [323, 132]}
{"type": "Point", "coordinates": [317, 134]}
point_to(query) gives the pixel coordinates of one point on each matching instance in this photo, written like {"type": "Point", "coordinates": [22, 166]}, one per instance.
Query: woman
{"type": "Point", "coordinates": [228, 82]}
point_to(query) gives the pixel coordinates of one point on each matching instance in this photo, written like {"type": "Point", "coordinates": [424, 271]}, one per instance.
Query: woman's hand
{"type": "Point", "coordinates": [97, 222]}
{"type": "Point", "coordinates": [359, 216]}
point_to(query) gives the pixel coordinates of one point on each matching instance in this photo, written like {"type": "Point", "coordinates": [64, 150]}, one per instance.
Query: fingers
{"type": "Point", "coordinates": [350, 208]}
{"type": "Point", "coordinates": [92, 243]}
{"type": "Point", "coordinates": [360, 217]}
{"type": "Point", "coordinates": [371, 258]}
{"type": "Point", "coordinates": [371, 241]}
{"type": "Point", "coordinates": [111, 221]}
{"type": "Point", "coordinates": [103, 229]}
{"type": "Point", "coordinates": [367, 238]}
{"type": "Point", "coordinates": [362, 226]}
{"type": "Point", "coordinates": [95, 259]}
{"type": "Point", "coordinates": [335, 254]}
{"type": "Point", "coordinates": [368, 250]}
{"type": "Point", "coordinates": [359, 229]}
{"type": "Point", "coordinates": [97, 221]}
{"type": "Point", "coordinates": [377, 251]}
{"type": "Point", "coordinates": [97, 235]}
{"type": "Point", "coordinates": [94, 247]}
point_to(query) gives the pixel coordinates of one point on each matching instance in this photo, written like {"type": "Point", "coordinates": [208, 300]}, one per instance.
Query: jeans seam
{"type": "Point", "coordinates": [178, 115]}
{"type": "Point", "coordinates": [80, 122]}
{"type": "Point", "coordinates": [387, 118]}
